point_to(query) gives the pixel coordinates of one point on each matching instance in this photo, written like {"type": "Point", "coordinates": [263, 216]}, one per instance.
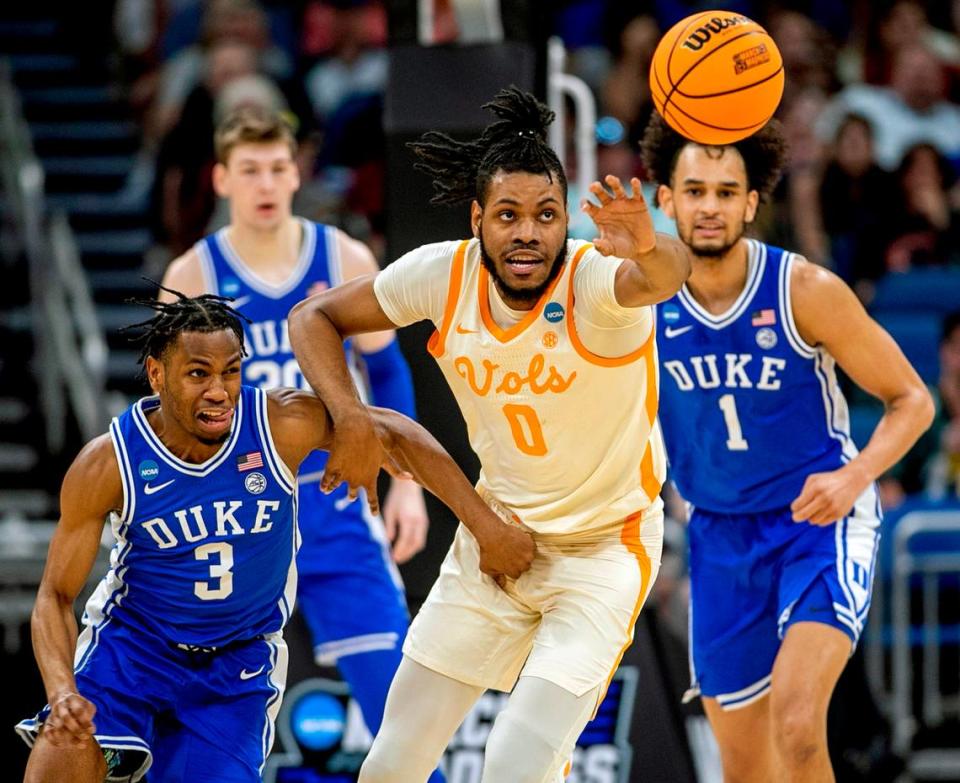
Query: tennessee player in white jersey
{"type": "Point", "coordinates": [548, 346]}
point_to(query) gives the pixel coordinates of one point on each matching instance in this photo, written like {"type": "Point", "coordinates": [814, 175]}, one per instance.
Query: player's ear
{"type": "Point", "coordinates": [220, 180]}
{"type": "Point", "coordinates": [665, 201]}
{"type": "Point", "coordinates": [753, 203]}
{"type": "Point", "coordinates": [154, 371]}
{"type": "Point", "coordinates": [476, 211]}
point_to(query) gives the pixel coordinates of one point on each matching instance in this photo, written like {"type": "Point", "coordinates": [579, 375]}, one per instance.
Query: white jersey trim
{"type": "Point", "coordinates": [277, 681]}
{"type": "Point", "coordinates": [756, 261]}
{"type": "Point", "coordinates": [189, 468]}
{"type": "Point", "coordinates": [276, 291]}
{"type": "Point", "coordinates": [208, 270]}
{"type": "Point", "coordinates": [798, 344]}
{"type": "Point", "coordinates": [277, 466]}
{"type": "Point", "coordinates": [126, 473]}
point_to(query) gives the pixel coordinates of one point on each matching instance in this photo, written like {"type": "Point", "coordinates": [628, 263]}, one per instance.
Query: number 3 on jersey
{"type": "Point", "coordinates": [525, 428]}
{"type": "Point", "coordinates": [735, 439]}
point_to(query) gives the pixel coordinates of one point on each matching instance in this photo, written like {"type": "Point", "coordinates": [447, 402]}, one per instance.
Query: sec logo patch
{"type": "Point", "coordinates": [550, 339]}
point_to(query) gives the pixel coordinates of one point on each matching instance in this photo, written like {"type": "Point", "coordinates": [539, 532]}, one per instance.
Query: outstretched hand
{"type": "Point", "coordinates": [624, 222]}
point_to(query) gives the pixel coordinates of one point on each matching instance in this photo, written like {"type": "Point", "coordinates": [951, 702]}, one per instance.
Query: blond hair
{"type": "Point", "coordinates": [251, 125]}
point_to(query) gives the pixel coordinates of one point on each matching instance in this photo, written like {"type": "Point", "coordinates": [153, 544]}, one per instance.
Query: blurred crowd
{"type": "Point", "coordinates": [870, 111]}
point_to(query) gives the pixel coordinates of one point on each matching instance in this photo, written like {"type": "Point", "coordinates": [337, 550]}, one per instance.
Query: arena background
{"type": "Point", "coordinates": [106, 111]}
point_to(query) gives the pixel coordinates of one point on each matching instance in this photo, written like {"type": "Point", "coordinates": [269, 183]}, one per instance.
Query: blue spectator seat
{"type": "Point", "coordinates": [931, 291]}
{"type": "Point", "coordinates": [918, 335]}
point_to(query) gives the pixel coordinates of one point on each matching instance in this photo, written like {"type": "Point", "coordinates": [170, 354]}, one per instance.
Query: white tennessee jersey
{"type": "Point", "coordinates": [566, 438]}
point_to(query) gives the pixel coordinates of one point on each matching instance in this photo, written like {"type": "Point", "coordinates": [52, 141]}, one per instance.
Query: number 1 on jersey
{"type": "Point", "coordinates": [735, 439]}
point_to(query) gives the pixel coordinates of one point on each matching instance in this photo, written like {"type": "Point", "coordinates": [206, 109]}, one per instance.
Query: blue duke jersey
{"type": "Point", "coordinates": [748, 409]}
{"type": "Point", "coordinates": [270, 362]}
{"type": "Point", "coordinates": [205, 553]}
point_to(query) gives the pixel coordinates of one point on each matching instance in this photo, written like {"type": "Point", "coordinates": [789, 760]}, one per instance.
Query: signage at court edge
{"type": "Point", "coordinates": [321, 737]}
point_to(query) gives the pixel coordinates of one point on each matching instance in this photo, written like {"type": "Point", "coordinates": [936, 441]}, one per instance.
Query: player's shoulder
{"type": "Point", "coordinates": [298, 420]}
{"type": "Point", "coordinates": [809, 280]}
{"type": "Point", "coordinates": [185, 275]}
{"type": "Point", "coordinates": [95, 473]}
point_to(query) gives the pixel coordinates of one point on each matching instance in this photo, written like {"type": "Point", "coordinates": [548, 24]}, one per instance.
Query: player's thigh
{"type": "Point", "coordinates": [49, 763]}
{"type": "Point", "coordinates": [806, 671]}
{"type": "Point", "coordinates": [733, 606]}
{"type": "Point", "coordinates": [227, 720]}
{"type": "Point", "coordinates": [590, 596]}
{"type": "Point", "coordinates": [744, 737]}
{"type": "Point", "coordinates": [469, 629]}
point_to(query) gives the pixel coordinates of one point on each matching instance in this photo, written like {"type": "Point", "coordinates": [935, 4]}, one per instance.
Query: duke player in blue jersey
{"type": "Point", "coordinates": [349, 591]}
{"type": "Point", "coordinates": [181, 666]}
{"type": "Point", "coordinates": [783, 527]}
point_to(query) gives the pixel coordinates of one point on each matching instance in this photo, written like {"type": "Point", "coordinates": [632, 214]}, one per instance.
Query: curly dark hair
{"type": "Point", "coordinates": [517, 141]}
{"type": "Point", "coordinates": [764, 154]}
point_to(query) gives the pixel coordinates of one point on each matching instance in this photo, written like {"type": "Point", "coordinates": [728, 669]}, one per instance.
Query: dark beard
{"type": "Point", "coordinates": [528, 296]}
{"type": "Point", "coordinates": [715, 252]}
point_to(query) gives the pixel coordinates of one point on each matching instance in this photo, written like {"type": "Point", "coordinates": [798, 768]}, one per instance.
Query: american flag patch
{"type": "Point", "coordinates": [249, 461]}
{"type": "Point", "coordinates": [766, 317]}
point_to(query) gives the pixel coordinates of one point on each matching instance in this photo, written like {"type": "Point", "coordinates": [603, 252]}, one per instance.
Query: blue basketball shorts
{"type": "Point", "coordinates": [754, 575]}
{"type": "Point", "coordinates": [206, 717]}
{"type": "Point", "coordinates": [349, 589]}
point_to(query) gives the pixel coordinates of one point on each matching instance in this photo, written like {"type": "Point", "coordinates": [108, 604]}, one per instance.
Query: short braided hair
{"type": "Point", "coordinates": [206, 313]}
{"type": "Point", "coordinates": [516, 142]}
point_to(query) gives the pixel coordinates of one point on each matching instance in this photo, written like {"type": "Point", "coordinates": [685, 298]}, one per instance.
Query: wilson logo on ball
{"type": "Point", "coordinates": [702, 35]}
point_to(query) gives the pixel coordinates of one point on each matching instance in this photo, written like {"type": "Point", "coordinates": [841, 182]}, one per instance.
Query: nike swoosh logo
{"type": "Point", "coordinates": [236, 304]}
{"type": "Point", "coordinates": [148, 490]}
{"type": "Point", "coordinates": [245, 675]}
{"type": "Point", "coordinates": [461, 330]}
{"type": "Point", "coordinates": [670, 332]}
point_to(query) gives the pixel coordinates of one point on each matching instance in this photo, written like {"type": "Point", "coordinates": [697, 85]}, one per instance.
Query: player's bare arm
{"type": "Point", "coordinates": [91, 489]}
{"type": "Point", "coordinates": [828, 313]}
{"type": "Point", "coordinates": [183, 275]}
{"type": "Point", "coordinates": [318, 326]}
{"type": "Point", "coordinates": [655, 265]}
{"type": "Point", "coordinates": [300, 426]}
{"type": "Point", "coordinates": [404, 511]}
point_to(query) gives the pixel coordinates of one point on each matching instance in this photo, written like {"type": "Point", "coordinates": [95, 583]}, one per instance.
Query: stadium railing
{"type": "Point", "coordinates": [70, 348]}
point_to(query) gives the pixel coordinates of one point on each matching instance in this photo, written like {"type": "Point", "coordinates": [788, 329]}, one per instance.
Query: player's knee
{"type": "Point", "coordinates": [393, 764]}
{"type": "Point", "coordinates": [517, 754]}
{"type": "Point", "coordinates": [799, 731]}
{"type": "Point", "coordinates": [51, 764]}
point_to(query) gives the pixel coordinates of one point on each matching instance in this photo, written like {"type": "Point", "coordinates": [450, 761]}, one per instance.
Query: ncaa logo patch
{"type": "Point", "coordinates": [255, 483]}
{"type": "Point", "coordinates": [553, 312]}
{"type": "Point", "coordinates": [148, 469]}
{"type": "Point", "coordinates": [670, 313]}
{"type": "Point", "coordinates": [230, 286]}
{"type": "Point", "coordinates": [766, 338]}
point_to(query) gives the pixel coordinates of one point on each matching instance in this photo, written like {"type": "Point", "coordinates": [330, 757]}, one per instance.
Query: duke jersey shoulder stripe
{"type": "Point", "coordinates": [205, 553]}
{"type": "Point", "coordinates": [566, 439]}
{"type": "Point", "coordinates": [748, 409]}
{"type": "Point", "coordinates": [270, 362]}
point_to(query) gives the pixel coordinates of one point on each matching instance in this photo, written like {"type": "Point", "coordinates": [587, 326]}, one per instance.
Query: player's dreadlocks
{"type": "Point", "coordinates": [206, 313]}
{"type": "Point", "coordinates": [462, 170]}
{"type": "Point", "coordinates": [764, 154]}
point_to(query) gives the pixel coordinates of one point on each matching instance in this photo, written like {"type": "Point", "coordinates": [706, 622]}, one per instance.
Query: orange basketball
{"type": "Point", "coordinates": [716, 77]}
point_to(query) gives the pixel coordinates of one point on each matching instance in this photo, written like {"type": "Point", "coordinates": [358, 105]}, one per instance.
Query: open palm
{"type": "Point", "coordinates": [624, 222]}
